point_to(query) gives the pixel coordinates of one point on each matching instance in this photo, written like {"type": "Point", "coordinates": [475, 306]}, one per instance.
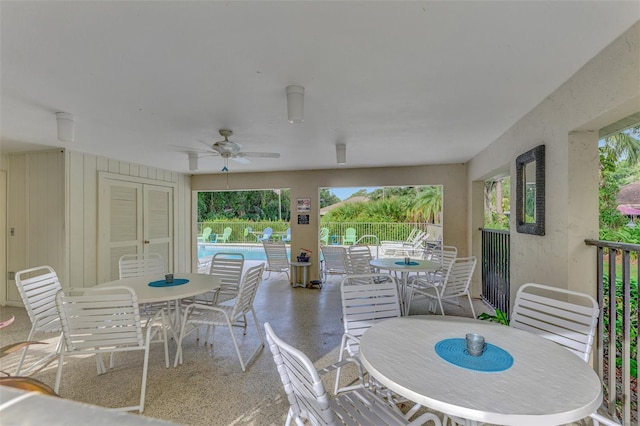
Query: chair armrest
{"type": "Point", "coordinates": [331, 367]}
{"type": "Point", "coordinates": [361, 383]}
{"type": "Point", "coordinates": [348, 336]}
{"type": "Point", "coordinates": [152, 324]}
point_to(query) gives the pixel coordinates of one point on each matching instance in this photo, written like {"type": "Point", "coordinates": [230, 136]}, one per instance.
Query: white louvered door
{"type": "Point", "coordinates": [133, 218]}
{"type": "Point", "coordinates": [157, 202]}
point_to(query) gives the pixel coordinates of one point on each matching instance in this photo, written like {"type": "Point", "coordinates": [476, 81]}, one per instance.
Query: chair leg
{"type": "Point", "coordinates": [42, 361]}
{"type": "Point", "coordinates": [473, 312]}
{"type": "Point", "coordinates": [440, 304]}
{"type": "Point", "coordinates": [179, 342]}
{"type": "Point", "coordinates": [24, 351]}
{"type": "Point", "coordinates": [164, 338]}
{"type": "Point", "coordinates": [343, 345]}
{"type": "Point", "coordinates": [235, 343]}
{"type": "Point", "coordinates": [56, 387]}
{"type": "Point", "coordinates": [255, 320]}
{"type": "Point", "coordinates": [143, 386]}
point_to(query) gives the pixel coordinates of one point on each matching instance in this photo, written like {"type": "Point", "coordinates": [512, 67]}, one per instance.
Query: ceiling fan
{"type": "Point", "coordinates": [232, 150]}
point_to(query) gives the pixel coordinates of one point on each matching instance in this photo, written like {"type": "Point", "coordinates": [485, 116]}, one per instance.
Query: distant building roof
{"type": "Point", "coordinates": [628, 199]}
{"type": "Point", "coordinates": [327, 209]}
{"type": "Point", "coordinates": [629, 195]}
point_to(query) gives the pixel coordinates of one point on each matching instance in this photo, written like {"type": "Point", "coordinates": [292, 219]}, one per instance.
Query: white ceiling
{"type": "Point", "coordinates": [400, 83]}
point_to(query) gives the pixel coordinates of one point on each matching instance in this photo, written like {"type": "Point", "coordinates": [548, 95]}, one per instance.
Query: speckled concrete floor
{"type": "Point", "coordinates": [210, 387]}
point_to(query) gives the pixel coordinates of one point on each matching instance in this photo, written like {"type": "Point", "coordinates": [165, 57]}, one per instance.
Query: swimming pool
{"type": "Point", "coordinates": [252, 252]}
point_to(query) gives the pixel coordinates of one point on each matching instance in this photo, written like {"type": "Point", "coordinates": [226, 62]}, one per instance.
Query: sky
{"type": "Point", "coordinates": [344, 193]}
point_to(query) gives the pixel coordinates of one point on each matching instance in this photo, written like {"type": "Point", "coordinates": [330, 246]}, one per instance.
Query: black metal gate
{"type": "Point", "coordinates": [495, 269]}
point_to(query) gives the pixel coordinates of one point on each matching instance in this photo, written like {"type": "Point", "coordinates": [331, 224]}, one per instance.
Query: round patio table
{"type": "Point", "coordinates": [545, 385]}
{"type": "Point", "coordinates": [397, 264]}
{"type": "Point", "coordinates": [198, 284]}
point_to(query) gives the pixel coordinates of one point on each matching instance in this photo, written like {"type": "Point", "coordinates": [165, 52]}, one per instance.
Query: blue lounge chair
{"type": "Point", "coordinates": [266, 234]}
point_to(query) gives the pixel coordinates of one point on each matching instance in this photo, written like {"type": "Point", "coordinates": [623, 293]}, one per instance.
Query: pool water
{"type": "Point", "coordinates": [249, 252]}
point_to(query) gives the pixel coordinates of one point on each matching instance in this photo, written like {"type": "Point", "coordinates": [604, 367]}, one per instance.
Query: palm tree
{"type": "Point", "coordinates": [427, 205]}
{"type": "Point", "coordinates": [624, 146]}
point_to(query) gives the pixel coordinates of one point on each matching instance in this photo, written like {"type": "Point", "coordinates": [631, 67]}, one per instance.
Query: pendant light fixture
{"type": "Point", "coordinates": [341, 153]}
{"type": "Point", "coordinates": [66, 126]}
{"type": "Point", "coordinates": [295, 104]}
{"type": "Point", "coordinates": [193, 161]}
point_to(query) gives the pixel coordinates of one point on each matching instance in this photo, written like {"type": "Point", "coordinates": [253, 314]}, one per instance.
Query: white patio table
{"type": "Point", "coordinates": [545, 385]}
{"type": "Point", "coordinates": [397, 264]}
{"type": "Point", "coordinates": [198, 284]}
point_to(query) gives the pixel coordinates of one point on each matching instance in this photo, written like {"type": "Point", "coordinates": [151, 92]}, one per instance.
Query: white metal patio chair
{"type": "Point", "coordinates": [139, 265]}
{"type": "Point", "coordinates": [445, 256]}
{"type": "Point", "coordinates": [99, 321]}
{"type": "Point", "coordinates": [277, 258]}
{"type": "Point", "coordinates": [408, 247]}
{"type": "Point", "coordinates": [229, 267]}
{"type": "Point", "coordinates": [333, 260]}
{"type": "Point", "coordinates": [197, 315]}
{"type": "Point", "coordinates": [357, 260]}
{"type": "Point", "coordinates": [38, 287]}
{"type": "Point", "coordinates": [566, 317]}
{"type": "Point", "coordinates": [366, 300]}
{"type": "Point", "coordinates": [455, 286]}
{"type": "Point", "coordinates": [308, 399]}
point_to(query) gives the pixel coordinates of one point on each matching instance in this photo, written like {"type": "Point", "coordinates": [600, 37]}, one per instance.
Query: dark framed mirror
{"type": "Point", "coordinates": [530, 192]}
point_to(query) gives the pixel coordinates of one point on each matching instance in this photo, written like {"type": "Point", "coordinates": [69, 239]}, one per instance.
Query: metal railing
{"type": "Point", "coordinates": [496, 286]}
{"type": "Point", "coordinates": [616, 358]}
{"type": "Point", "coordinates": [386, 231]}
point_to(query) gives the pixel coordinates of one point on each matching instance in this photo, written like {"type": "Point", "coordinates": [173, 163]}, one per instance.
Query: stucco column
{"type": "Point", "coordinates": [582, 210]}
{"type": "Point", "coordinates": [476, 221]}
{"type": "Point", "coordinates": [305, 236]}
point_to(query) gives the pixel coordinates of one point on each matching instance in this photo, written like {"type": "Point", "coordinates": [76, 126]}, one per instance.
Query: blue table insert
{"type": "Point", "coordinates": [492, 360]}
{"type": "Point", "coordinates": [164, 283]}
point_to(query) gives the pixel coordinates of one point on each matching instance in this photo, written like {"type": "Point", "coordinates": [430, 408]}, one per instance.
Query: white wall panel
{"type": "Point", "coordinates": [83, 212]}
{"type": "Point", "coordinates": [36, 201]}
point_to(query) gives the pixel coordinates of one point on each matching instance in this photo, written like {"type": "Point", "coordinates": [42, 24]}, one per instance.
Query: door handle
{"type": "Point", "coordinates": [146, 241]}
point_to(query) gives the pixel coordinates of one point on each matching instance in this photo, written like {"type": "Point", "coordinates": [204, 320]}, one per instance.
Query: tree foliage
{"type": "Point", "coordinates": [619, 159]}
{"type": "Point", "coordinates": [244, 205]}
{"type": "Point", "coordinates": [623, 146]}
{"type": "Point", "coordinates": [496, 203]}
{"type": "Point", "coordinates": [392, 204]}
{"type": "Point", "coordinates": [327, 198]}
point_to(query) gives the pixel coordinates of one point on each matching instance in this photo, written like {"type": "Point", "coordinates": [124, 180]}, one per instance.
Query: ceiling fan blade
{"type": "Point", "coordinates": [259, 154]}
{"type": "Point", "coordinates": [241, 160]}
{"type": "Point", "coordinates": [189, 150]}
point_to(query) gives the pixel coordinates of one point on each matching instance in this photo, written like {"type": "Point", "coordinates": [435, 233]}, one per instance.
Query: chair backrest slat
{"type": "Point", "coordinates": [363, 305]}
{"type": "Point", "coordinates": [139, 265]}
{"type": "Point", "coordinates": [276, 252]}
{"type": "Point", "coordinates": [229, 267]}
{"type": "Point", "coordinates": [357, 260]}
{"type": "Point", "coordinates": [247, 291]}
{"type": "Point", "coordinates": [100, 319]}
{"type": "Point", "coordinates": [566, 317]}
{"type": "Point", "coordinates": [333, 257]}
{"type": "Point", "coordinates": [38, 287]}
{"type": "Point", "coordinates": [459, 276]}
